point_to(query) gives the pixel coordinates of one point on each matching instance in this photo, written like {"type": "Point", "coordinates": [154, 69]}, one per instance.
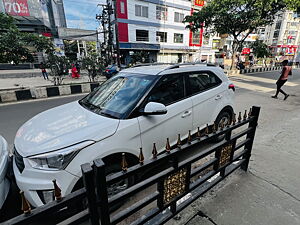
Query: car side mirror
{"type": "Point", "coordinates": [154, 108]}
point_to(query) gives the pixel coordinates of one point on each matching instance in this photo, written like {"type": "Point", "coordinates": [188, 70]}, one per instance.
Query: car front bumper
{"type": "Point", "coordinates": [32, 181]}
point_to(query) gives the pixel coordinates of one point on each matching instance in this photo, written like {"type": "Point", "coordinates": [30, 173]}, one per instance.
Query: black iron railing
{"type": "Point", "coordinates": [177, 181]}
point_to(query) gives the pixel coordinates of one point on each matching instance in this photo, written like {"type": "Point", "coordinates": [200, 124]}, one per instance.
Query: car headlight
{"type": "Point", "coordinates": [57, 160]}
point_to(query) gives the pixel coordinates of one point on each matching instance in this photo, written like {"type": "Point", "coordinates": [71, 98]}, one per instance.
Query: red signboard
{"type": "Point", "coordinates": [246, 51]}
{"type": "Point", "coordinates": [16, 7]}
{"type": "Point", "coordinates": [199, 2]}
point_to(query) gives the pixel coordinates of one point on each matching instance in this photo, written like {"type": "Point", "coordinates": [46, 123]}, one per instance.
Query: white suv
{"type": "Point", "coordinates": [134, 109]}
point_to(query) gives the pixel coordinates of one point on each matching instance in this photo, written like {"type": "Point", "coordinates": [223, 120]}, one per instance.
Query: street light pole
{"type": "Point", "coordinates": [117, 34]}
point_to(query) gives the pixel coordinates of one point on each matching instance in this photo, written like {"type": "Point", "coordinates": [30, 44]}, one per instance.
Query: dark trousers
{"type": "Point", "coordinates": [279, 84]}
{"type": "Point", "coordinates": [45, 75]}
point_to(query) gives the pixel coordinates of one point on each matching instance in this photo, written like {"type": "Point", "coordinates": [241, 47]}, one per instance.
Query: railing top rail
{"type": "Point", "coordinates": [174, 153]}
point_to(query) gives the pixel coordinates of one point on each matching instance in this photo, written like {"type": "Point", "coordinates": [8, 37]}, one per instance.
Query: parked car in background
{"type": "Point", "coordinates": [132, 110]}
{"type": "Point", "coordinates": [112, 70]}
{"type": "Point", "coordinates": [4, 183]}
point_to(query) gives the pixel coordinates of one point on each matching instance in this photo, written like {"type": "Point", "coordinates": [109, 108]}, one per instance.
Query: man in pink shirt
{"type": "Point", "coordinates": [286, 71]}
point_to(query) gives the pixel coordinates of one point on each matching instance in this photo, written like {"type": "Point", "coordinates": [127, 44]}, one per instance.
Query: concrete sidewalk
{"type": "Point", "coordinates": [30, 82]}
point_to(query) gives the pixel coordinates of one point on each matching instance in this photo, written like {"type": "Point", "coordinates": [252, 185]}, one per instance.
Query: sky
{"type": "Point", "coordinates": [81, 13]}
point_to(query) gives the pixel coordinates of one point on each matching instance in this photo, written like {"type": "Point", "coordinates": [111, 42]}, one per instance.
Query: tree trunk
{"type": "Point", "coordinates": [235, 47]}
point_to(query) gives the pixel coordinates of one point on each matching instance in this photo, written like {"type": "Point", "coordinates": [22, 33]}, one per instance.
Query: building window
{"type": "Point", "coordinates": [178, 17]}
{"type": "Point", "coordinates": [122, 7]}
{"type": "Point", "coordinates": [178, 38]}
{"type": "Point", "coordinates": [141, 11]}
{"type": "Point", "coordinates": [161, 13]}
{"type": "Point", "coordinates": [142, 35]}
{"type": "Point", "coordinates": [161, 36]}
{"type": "Point", "coordinates": [196, 37]}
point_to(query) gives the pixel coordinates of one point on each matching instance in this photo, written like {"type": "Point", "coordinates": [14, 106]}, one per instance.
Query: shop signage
{"type": "Point", "coordinates": [16, 7]}
{"type": "Point", "coordinates": [199, 2]}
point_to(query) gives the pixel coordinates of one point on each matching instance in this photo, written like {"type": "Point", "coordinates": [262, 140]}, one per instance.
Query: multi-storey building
{"type": "Point", "coordinates": [37, 16]}
{"type": "Point", "coordinates": [283, 36]}
{"type": "Point", "coordinates": [155, 27]}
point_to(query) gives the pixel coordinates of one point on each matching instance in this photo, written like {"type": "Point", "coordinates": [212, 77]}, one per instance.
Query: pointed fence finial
{"type": "Point", "coordinates": [154, 151]}
{"type": "Point", "coordinates": [198, 135]}
{"type": "Point", "coordinates": [245, 115]}
{"type": "Point", "coordinates": [168, 146]}
{"type": "Point", "coordinates": [189, 137]}
{"type": "Point", "coordinates": [124, 164]}
{"type": "Point", "coordinates": [57, 191]}
{"type": "Point", "coordinates": [250, 112]}
{"type": "Point", "coordinates": [207, 130]}
{"type": "Point", "coordinates": [222, 125]}
{"type": "Point", "coordinates": [240, 117]}
{"type": "Point", "coordinates": [141, 157]}
{"type": "Point", "coordinates": [179, 141]}
{"type": "Point", "coordinates": [234, 119]}
{"type": "Point", "coordinates": [26, 208]}
{"type": "Point", "coordinates": [214, 128]}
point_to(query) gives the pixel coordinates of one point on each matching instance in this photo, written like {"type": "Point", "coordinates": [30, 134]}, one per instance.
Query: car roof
{"type": "Point", "coordinates": [164, 69]}
{"type": "Point", "coordinates": [149, 70]}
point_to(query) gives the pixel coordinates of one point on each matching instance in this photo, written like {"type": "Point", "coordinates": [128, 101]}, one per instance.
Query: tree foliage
{"type": "Point", "coordinates": [238, 18]}
{"type": "Point", "coordinates": [15, 46]}
{"type": "Point", "coordinates": [260, 49]}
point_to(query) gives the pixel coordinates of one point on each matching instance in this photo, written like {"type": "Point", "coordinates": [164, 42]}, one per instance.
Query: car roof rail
{"type": "Point", "coordinates": [151, 64]}
{"type": "Point", "coordinates": [176, 66]}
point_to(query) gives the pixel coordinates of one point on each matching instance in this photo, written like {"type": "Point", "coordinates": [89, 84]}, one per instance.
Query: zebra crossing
{"type": "Point", "coordinates": [258, 84]}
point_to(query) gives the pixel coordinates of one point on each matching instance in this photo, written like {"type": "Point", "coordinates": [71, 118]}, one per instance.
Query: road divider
{"type": "Point", "coordinates": [46, 92]}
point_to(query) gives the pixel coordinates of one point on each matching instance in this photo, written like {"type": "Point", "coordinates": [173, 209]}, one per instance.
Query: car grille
{"type": "Point", "coordinates": [19, 160]}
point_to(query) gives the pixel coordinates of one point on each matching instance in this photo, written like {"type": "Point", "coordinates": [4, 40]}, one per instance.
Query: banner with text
{"type": "Point", "coordinates": [16, 7]}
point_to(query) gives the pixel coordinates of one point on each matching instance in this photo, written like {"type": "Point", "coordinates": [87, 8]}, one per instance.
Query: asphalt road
{"type": "Point", "coordinates": [252, 89]}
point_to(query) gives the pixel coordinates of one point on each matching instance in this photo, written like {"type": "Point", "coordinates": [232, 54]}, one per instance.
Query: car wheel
{"type": "Point", "coordinates": [223, 118]}
{"type": "Point", "coordinates": [112, 189]}
{"type": "Point", "coordinates": [119, 186]}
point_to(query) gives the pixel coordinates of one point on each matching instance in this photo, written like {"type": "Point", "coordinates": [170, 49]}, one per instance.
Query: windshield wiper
{"type": "Point", "coordinates": [108, 115]}
{"type": "Point", "coordinates": [87, 103]}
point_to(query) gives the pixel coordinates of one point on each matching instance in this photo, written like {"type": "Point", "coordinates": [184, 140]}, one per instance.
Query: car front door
{"type": "Point", "coordinates": [156, 129]}
{"type": "Point", "coordinates": [206, 91]}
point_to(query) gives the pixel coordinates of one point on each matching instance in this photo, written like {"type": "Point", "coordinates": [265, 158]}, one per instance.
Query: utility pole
{"type": "Point", "coordinates": [117, 34]}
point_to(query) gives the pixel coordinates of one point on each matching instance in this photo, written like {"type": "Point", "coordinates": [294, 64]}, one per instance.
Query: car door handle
{"type": "Point", "coordinates": [218, 97]}
{"type": "Point", "coordinates": [186, 114]}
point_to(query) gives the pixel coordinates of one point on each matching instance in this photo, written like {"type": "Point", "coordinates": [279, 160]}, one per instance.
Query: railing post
{"type": "Point", "coordinates": [102, 195]}
{"type": "Point", "coordinates": [88, 180]}
{"type": "Point", "coordinates": [251, 135]}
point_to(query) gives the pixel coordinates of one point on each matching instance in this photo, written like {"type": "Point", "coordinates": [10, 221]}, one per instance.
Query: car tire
{"type": "Point", "coordinates": [224, 117]}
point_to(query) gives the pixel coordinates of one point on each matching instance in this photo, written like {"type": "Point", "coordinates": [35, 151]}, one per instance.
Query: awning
{"type": "Point", "coordinates": [140, 46]}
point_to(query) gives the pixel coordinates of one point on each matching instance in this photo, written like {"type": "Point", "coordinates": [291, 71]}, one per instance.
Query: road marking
{"type": "Point", "coordinates": [264, 80]}
{"type": "Point", "coordinates": [253, 87]}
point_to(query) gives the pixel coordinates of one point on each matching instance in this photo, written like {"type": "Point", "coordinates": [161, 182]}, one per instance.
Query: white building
{"type": "Point", "coordinates": [283, 36]}
{"type": "Point", "coordinates": [155, 27]}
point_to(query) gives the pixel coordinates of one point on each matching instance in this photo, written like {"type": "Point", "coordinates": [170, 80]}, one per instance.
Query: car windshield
{"type": "Point", "coordinates": [118, 96]}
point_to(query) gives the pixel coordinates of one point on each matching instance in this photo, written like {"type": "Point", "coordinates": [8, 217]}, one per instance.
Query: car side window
{"type": "Point", "coordinates": [201, 81]}
{"type": "Point", "coordinates": [168, 90]}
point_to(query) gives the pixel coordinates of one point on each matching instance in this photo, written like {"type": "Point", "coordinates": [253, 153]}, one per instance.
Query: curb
{"type": "Point", "coordinates": [47, 92]}
{"type": "Point", "coordinates": [262, 69]}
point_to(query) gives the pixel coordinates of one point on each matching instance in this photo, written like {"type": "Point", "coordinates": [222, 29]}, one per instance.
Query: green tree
{"type": "Point", "coordinates": [237, 18]}
{"type": "Point", "coordinates": [15, 45]}
{"type": "Point", "coordinates": [260, 49]}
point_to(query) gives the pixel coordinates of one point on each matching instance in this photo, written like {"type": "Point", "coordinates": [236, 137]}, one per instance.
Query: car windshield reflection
{"type": "Point", "coordinates": [118, 96]}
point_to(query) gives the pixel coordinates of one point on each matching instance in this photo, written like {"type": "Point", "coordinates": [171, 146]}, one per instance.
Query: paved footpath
{"type": "Point", "coordinates": [29, 82]}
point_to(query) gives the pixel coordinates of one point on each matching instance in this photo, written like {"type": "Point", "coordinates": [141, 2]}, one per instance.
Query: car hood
{"type": "Point", "coordinates": [61, 127]}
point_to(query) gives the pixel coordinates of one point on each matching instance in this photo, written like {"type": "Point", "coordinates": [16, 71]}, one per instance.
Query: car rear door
{"type": "Point", "coordinates": [206, 92]}
{"type": "Point", "coordinates": [156, 129]}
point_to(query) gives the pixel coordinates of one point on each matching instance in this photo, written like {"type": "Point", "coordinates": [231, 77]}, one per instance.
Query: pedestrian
{"type": "Point", "coordinates": [78, 67]}
{"type": "Point", "coordinates": [286, 71]}
{"type": "Point", "coordinates": [44, 72]}
{"type": "Point", "coordinates": [75, 73]}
